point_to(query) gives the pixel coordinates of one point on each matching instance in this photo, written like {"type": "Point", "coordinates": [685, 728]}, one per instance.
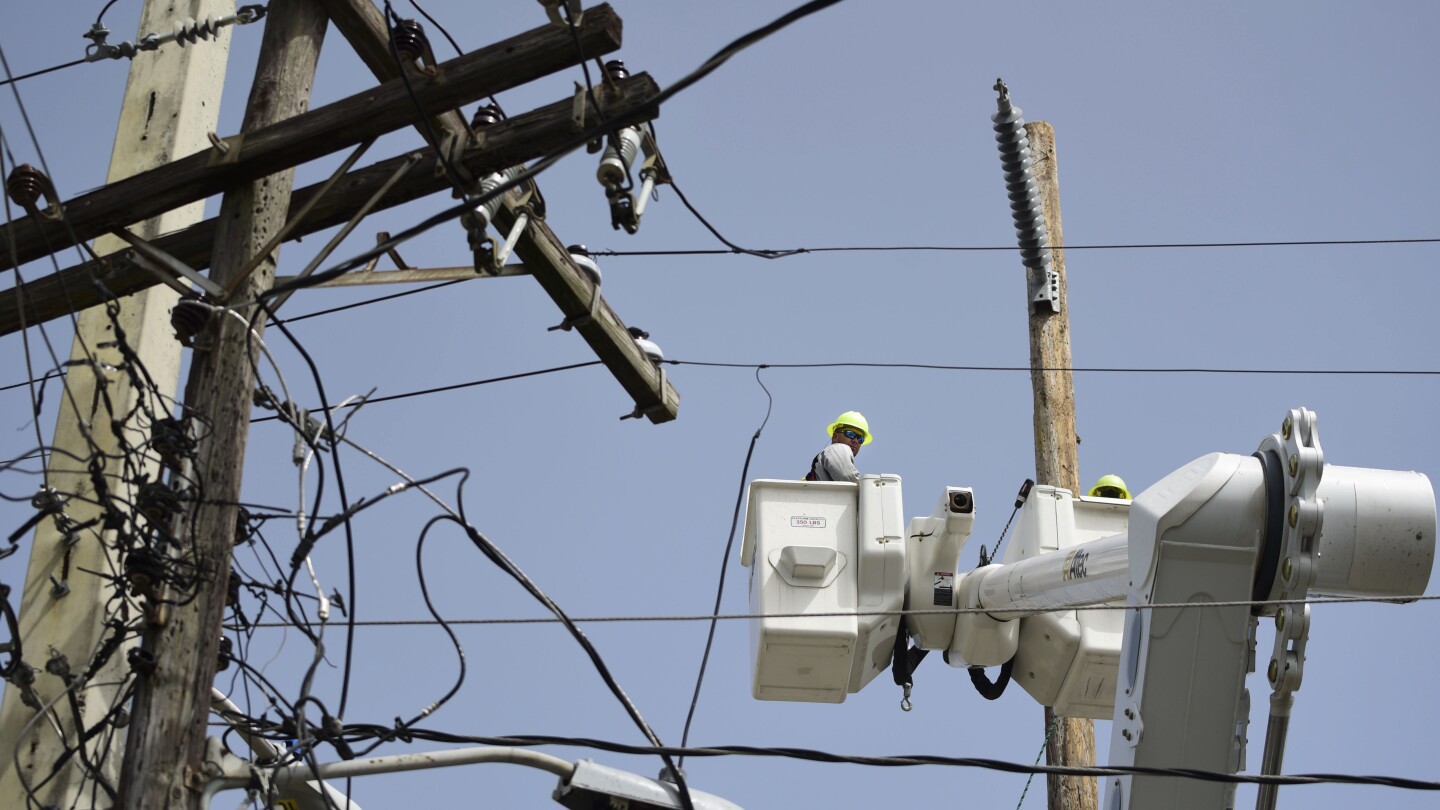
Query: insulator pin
{"type": "Point", "coordinates": [27, 184]}
{"type": "Point", "coordinates": [410, 40]}
{"type": "Point", "coordinates": [485, 116]}
{"type": "Point", "coordinates": [189, 318]}
{"type": "Point", "coordinates": [616, 70]}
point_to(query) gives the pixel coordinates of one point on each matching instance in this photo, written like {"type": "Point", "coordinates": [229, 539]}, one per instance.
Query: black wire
{"type": "Point", "coordinates": [780, 253]}
{"type": "Point", "coordinates": [911, 760]}
{"type": "Point", "coordinates": [734, 248]}
{"type": "Point", "coordinates": [430, 606]}
{"type": "Point", "coordinates": [1076, 369]}
{"type": "Point", "coordinates": [456, 386]}
{"type": "Point", "coordinates": [452, 42]}
{"type": "Point", "coordinates": [724, 564]}
{"type": "Point", "coordinates": [35, 398]}
{"type": "Point", "coordinates": [101, 15]}
{"type": "Point", "coordinates": [52, 69]}
{"type": "Point", "coordinates": [439, 27]}
{"type": "Point", "coordinates": [344, 505]}
{"type": "Point", "coordinates": [774, 254]}
{"type": "Point", "coordinates": [584, 63]}
{"type": "Point", "coordinates": [504, 563]}
{"type": "Point", "coordinates": [369, 301]}
{"type": "Point", "coordinates": [460, 186]}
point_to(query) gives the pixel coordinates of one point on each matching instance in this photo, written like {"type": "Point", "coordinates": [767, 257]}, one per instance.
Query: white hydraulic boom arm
{"type": "Point", "coordinates": [1276, 526]}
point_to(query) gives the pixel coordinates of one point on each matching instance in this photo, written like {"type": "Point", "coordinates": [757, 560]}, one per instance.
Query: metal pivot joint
{"type": "Point", "coordinates": [1301, 463]}
{"type": "Point", "coordinates": [1026, 206]}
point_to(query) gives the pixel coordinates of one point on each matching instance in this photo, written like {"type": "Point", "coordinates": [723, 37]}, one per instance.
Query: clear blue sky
{"type": "Point", "coordinates": [867, 124]}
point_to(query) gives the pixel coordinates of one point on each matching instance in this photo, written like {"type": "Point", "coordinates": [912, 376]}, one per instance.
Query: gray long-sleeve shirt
{"type": "Point", "coordinates": [835, 463]}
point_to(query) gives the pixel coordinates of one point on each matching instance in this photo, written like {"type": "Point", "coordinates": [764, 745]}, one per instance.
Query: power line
{"type": "Point", "coordinates": [911, 760]}
{"type": "Point", "coordinates": [1360, 372]}
{"type": "Point", "coordinates": [51, 69]}
{"type": "Point", "coordinates": [1076, 369]}
{"type": "Point", "coordinates": [782, 253]}
{"type": "Point", "coordinates": [369, 301]}
{"type": "Point", "coordinates": [456, 386]}
{"type": "Point", "coordinates": [705, 617]}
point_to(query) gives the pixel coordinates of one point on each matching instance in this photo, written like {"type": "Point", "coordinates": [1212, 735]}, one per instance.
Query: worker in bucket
{"type": "Point", "coordinates": [836, 462]}
{"type": "Point", "coordinates": [1110, 486]}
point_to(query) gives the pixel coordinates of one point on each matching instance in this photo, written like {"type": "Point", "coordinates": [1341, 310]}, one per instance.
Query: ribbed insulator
{"type": "Point", "coordinates": [1026, 207]}
{"type": "Point", "coordinates": [619, 156]}
{"type": "Point", "coordinates": [485, 116]}
{"type": "Point", "coordinates": [410, 39]}
{"type": "Point", "coordinates": [25, 185]}
{"type": "Point", "coordinates": [189, 318]}
{"type": "Point", "coordinates": [616, 70]}
{"type": "Point", "coordinates": [485, 214]}
{"type": "Point", "coordinates": [192, 31]}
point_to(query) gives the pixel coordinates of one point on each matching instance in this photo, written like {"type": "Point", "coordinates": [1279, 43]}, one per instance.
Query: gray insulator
{"type": "Point", "coordinates": [1026, 207]}
{"type": "Point", "coordinates": [619, 155]}
{"type": "Point", "coordinates": [586, 264]}
{"type": "Point", "coordinates": [651, 349]}
{"type": "Point", "coordinates": [192, 31]}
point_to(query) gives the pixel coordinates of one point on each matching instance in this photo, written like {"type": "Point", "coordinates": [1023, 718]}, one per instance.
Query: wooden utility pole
{"type": "Point", "coordinates": [167, 733]}
{"type": "Point", "coordinates": [1072, 742]}
{"type": "Point", "coordinates": [171, 102]}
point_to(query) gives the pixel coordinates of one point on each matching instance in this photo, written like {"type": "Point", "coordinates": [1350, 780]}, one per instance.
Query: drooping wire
{"type": "Point", "coordinates": [507, 565]}
{"type": "Point", "coordinates": [344, 506]}
{"type": "Point", "coordinates": [458, 50]}
{"type": "Point", "coordinates": [101, 16]}
{"type": "Point", "coordinates": [706, 617]}
{"type": "Point", "coordinates": [734, 248]}
{"type": "Point", "coordinates": [725, 564]}
{"type": "Point", "coordinates": [917, 760]}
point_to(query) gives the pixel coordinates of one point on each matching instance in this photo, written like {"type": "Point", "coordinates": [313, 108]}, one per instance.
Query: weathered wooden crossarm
{"type": "Point", "coordinates": [512, 141]}
{"type": "Point", "coordinates": [542, 251]}
{"type": "Point", "coordinates": [333, 127]}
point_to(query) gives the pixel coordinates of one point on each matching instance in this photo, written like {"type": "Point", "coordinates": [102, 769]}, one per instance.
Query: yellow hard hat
{"type": "Point", "coordinates": [1108, 482]}
{"type": "Point", "coordinates": [854, 419]}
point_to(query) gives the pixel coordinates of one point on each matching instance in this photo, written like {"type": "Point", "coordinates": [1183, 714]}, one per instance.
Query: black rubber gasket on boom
{"type": "Point", "coordinates": [1274, 525]}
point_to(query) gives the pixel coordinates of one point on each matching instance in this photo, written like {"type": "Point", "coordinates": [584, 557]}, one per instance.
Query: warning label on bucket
{"type": "Point", "coordinates": [944, 588]}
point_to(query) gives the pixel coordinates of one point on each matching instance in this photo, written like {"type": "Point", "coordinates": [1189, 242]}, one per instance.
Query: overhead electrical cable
{"type": "Point", "coordinates": [781, 253]}
{"type": "Point", "coordinates": [913, 760]}
{"type": "Point", "coordinates": [725, 562]}
{"type": "Point", "coordinates": [457, 386]}
{"type": "Point", "coordinates": [703, 617]}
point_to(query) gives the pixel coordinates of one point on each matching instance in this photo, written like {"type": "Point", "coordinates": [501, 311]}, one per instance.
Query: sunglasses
{"type": "Point", "coordinates": [850, 434]}
{"type": "Point", "coordinates": [1109, 492]}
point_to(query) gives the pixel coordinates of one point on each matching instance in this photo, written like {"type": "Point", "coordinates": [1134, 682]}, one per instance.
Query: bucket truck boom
{"type": "Point", "coordinates": [1180, 569]}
